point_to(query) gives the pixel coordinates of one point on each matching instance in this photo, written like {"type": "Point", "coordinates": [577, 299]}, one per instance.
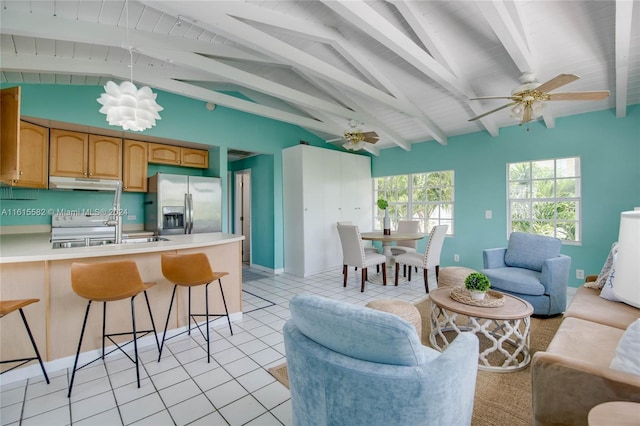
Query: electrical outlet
{"type": "Point", "coordinates": [131, 217]}
{"type": "Point", "coordinates": [488, 214]}
{"type": "Point", "coordinates": [456, 258]}
{"type": "Point", "coordinates": [580, 274]}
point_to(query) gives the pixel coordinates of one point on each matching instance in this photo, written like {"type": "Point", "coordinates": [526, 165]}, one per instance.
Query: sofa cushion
{"type": "Point", "coordinates": [627, 358]}
{"type": "Point", "coordinates": [588, 305]}
{"type": "Point", "coordinates": [529, 251]}
{"type": "Point", "coordinates": [357, 331]}
{"type": "Point", "coordinates": [586, 341]}
{"type": "Point", "coordinates": [515, 280]}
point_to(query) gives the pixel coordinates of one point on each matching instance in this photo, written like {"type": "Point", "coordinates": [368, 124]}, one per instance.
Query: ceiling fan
{"type": "Point", "coordinates": [528, 99]}
{"type": "Point", "coordinates": [356, 138]}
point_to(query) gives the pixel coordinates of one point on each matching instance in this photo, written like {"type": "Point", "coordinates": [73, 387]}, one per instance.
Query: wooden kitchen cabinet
{"type": "Point", "coordinates": [134, 172]}
{"type": "Point", "coordinates": [76, 154]}
{"type": "Point", "coordinates": [178, 156]}
{"type": "Point", "coordinates": [24, 147]}
{"type": "Point", "coordinates": [34, 156]}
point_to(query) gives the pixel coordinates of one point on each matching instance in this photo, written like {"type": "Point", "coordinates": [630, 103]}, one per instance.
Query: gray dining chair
{"type": "Point", "coordinates": [353, 254]}
{"type": "Point", "coordinates": [430, 259]}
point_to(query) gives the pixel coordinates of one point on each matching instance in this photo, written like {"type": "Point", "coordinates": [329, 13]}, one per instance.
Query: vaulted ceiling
{"type": "Point", "coordinates": [406, 69]}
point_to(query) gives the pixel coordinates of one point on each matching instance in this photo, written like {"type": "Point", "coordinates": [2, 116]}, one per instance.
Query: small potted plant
{"type": "Point", "coordinates": [382, 205]}
{"type": "Point", "coordinates": [478, 284]}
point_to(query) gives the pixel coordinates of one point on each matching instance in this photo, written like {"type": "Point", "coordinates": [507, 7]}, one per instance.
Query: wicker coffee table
{"type": "Point", "coordinates": [503, 331]}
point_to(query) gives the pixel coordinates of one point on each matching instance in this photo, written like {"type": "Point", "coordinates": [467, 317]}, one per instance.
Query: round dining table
{"type": "Point", "coordinates": [387, 243]}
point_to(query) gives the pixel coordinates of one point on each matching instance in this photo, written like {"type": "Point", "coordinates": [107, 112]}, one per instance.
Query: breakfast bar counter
{"type": "Point", "coordinates": [31, 268]}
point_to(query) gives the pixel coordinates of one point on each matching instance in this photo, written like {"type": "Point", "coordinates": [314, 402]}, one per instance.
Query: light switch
{"type": "Point", "coordinates": [488, 214]}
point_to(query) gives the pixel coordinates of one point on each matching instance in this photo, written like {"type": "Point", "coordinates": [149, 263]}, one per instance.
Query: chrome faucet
{"type": "Point", "coordinates": [116, 214]}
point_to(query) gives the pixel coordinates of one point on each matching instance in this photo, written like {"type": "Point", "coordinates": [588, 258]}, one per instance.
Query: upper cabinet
{"type": "Point", "coordinates": [24, 147]}
{"type": "Point", "coordinates": [34, 156]}
{"type": "Point", "coordinates": [178, 156]}
{"type": "Point", "coordinates": [76, 154]}
{"type": "Point", "coordinates": [134, 172]}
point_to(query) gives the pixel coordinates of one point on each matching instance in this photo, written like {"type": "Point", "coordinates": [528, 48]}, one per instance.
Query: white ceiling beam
{"type": "Point", "coordinates": [431, 40]}
{"type": "Point", "coordinates": [511, 35]}
{"type": "Point", "coordinates": [73, 30]}
{"type": "Point", "coordinates": [385, 131]}
{"type": "Point", "coordinates": [322, 34]}
{"type": "Point", "coordinates": [216, 20]}
{"type": "Point", "coordinates": [149, 76]}
{"type": "Point", "coordinates": [505, 28]}
{"type": "Point", "coordinates": [364, 16]}
{"type": "Point", "coordinates": [624, 13]}
{"type": "Point", "coordinates": [251, 81]}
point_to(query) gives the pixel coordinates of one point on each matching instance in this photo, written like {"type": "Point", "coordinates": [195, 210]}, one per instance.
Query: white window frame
{"type": "Point", "coordinates": [426, 223]}
{"type": "Point", "coordinates": [530, 183]}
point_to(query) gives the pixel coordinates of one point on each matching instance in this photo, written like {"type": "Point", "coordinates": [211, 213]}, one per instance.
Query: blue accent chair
{"type": "Point", "coordinates": [531, 268]}
{"type": "Point", "coordinates": [352, 365]}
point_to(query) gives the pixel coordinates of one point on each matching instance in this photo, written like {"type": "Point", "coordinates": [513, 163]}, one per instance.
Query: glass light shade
{"type": "Point", "coordinates": [353, 146]}
{"type": "Point", "coordinates": [627, 276]}
{"type": "Point", "coordinates": [128, 107]}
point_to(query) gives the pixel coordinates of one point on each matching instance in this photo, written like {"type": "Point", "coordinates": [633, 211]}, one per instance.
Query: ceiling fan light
{"type": "Point", "coordinates": [128, 107]}
{"type": "Point", "coordinates": [538, 108]}
{"type": "Point", "coordinates": [517, 111]}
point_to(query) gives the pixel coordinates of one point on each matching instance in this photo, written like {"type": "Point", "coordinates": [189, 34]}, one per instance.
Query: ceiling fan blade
{"type": "Point", "coordinates": [527, 115]}
{"type": "Point", "coordinates": [492, 111]}
{"type": "Point", "coordinates": [513, 98]}
{"type": "Point", "coordinates": [370, 135]}
{"type": "Point", "coordinates": [334, 140]}
{"type": "Point", "coordinates": [556, 82]}
{"type": "Point", "coordinates": [371, 140]}
{"type": "Point", "coordinates": [579, 96]}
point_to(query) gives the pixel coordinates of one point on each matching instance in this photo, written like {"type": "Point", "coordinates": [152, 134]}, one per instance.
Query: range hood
{"type": "Point", "coordinates": [58, 182]}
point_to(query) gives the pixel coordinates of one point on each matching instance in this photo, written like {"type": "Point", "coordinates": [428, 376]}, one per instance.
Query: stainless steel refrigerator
{"type": "Point", "coordinates": [177, 204]}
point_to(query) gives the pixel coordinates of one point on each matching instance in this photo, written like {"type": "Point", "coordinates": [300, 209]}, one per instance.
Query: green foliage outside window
{"type": "Point", "coordinates": [426, 197]}
{"type": "Point", "coordinates": [544, 197]}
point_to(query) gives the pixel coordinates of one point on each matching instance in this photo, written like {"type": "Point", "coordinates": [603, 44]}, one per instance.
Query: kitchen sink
{"type": "Point", "coordinates": [143, 240]}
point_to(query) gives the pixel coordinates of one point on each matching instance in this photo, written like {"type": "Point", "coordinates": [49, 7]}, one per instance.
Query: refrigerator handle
{"type": "Point", "coordinates": [187, 219]}
{"type": "Point", "coordinates": [190, 213]}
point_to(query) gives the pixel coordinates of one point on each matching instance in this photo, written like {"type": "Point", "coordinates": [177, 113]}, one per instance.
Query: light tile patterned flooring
{"type": "Point", "coordinates": [235, 388]}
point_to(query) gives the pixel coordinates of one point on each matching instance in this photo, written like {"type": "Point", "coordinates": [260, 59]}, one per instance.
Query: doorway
{"type": "Point", "coordinates": [242, 218]}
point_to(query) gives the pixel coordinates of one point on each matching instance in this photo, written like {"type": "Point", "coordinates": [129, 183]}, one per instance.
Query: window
{"type": "Point", "coordinates": [427, 197]}
{"type": "Point", "coordinates": [544, 198]}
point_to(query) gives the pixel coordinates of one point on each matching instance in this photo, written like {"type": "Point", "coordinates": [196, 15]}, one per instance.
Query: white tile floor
{"type": "Point", "coordinates": [235, 388]}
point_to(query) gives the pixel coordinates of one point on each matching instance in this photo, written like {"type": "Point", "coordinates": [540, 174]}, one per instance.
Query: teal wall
{"type": "Point", "coordinates": [263, 219]}
{"type": "Point", "coordinates": [609, 149]}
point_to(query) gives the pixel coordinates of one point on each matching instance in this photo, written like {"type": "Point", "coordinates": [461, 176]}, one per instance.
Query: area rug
{"type": "Point", "coordinates": [501, 398]}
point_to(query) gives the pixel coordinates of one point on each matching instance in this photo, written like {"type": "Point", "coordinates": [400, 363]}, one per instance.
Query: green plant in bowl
{"type": "Point", "coordinates": [382, 204]}
{"type": "Point", "coordinates": [477, 282]}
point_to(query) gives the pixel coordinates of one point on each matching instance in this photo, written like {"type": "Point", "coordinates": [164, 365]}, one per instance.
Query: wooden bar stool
{"type": "Point", "coordinates": [190, 270]}
{"type": "Point", "coordinates": [8, 306]}
{"type": "Point", "coordinates": [108, 282]}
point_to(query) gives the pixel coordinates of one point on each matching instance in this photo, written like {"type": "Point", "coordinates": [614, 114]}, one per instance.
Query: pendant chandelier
{"type": "Point", "coordinates": [127, 106]}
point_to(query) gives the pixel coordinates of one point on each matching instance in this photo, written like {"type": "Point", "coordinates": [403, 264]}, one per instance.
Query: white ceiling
{"type": "Point", "coordinates": [406, 69]}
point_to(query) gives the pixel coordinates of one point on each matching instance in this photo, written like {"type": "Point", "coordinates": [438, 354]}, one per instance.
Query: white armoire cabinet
{"type": "Point", "coordinates": [320, 188]}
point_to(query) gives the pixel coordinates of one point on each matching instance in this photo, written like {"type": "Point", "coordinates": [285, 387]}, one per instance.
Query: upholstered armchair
{"type": "Point", "coordinates": [532, 268]}
{"type": "Point", "coordinates": [352, 365]}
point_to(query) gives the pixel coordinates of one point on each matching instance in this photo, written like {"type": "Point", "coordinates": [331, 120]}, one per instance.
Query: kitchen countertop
{"type": "Point", "coordinates": [18, 248]}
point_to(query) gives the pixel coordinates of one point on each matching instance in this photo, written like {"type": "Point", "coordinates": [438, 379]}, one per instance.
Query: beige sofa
{"type": "Point", "coordinates": [573, 374]}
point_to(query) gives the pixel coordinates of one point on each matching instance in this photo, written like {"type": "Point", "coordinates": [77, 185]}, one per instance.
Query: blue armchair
{"type": "Point", "coordinates": [532, 268]}
{"type": "Point", "coordinates": [352, 365]}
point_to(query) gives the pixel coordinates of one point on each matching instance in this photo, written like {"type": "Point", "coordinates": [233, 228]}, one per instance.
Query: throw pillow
{"type": "Point", "coordinates": [606, 269]}
{"type": "Point", "coordinates": [607, 289]}
{"type": "Point", "coordinates": [626, 358]}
